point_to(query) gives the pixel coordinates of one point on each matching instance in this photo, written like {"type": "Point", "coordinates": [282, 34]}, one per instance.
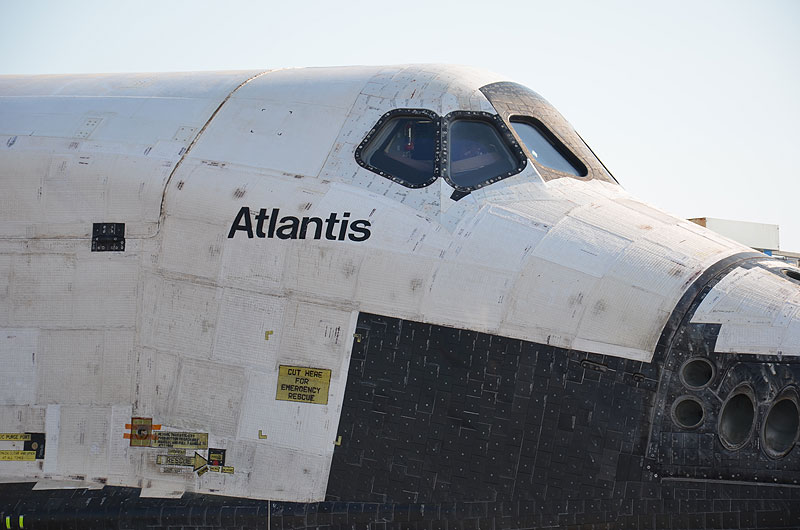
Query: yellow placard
{"type": "Point", "coordinates": [175, 460]}
{"type": "Point", "coordinates": [15, 436]}
{"type": "Point", "coordinates": [303, 385]}
{"type": "Point", "coordinates": [181, 440]}
{"type": "Point", "coordinates": [213, 468]}
{"type": "Point", "coordinates": [17, 456]}
{"type": "Point", "coordinates": [141, 432]}
{"type": "Point", "coordinates": [227, 469]}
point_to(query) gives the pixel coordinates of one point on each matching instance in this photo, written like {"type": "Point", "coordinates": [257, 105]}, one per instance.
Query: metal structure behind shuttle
{"type": "Point", "coordinates": [408, 295]}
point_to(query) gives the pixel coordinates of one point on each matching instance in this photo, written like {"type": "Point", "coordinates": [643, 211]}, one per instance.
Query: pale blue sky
{"type": "Point", "coordinates": [693, 105]}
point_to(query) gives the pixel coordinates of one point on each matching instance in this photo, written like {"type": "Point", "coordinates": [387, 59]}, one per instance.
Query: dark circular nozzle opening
{"type": "Point", "coordinates": [687, 412]}
{"type": "Point", "coordinates": [781, 427]}
{"type": "Point", "coordinates": [697, 373]}
{"type": "Point", "coordinates": [736, 420]}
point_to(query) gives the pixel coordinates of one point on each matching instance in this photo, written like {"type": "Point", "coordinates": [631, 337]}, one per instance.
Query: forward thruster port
{"type": "Point", "coordinates": [687, 412]}
{"type": "Point", "coordinates": [697, 373]}
{"type": "Point", "coordinates": [781, 427]}
{"type": "Point", "coordinates": [736, 419]}
{"type": "Point", "coordinates": [791, 273]}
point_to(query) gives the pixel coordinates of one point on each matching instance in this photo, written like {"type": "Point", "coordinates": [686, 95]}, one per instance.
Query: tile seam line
{"type": "Point", "coordinates": [162, 212]}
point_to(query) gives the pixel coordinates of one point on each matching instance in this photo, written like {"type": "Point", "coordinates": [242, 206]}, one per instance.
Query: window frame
{"type": "Point", "coordinates": [441, 147]}
{"type": "Point", "coordinates": [558, 145]}
{"type": "Point", "coordinates": [500, 127]}
{"type": "Point", "coordinates": [404, 113]}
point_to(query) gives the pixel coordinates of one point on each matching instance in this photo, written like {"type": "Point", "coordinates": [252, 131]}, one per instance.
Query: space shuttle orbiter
{"type": "Point", "coordinates": [405, 296]}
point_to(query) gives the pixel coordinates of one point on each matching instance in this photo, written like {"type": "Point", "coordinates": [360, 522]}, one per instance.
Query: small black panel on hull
{"type": "Point", "coordinates": [108, 237]}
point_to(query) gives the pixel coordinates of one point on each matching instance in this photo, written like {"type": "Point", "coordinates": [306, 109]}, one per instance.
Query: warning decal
{"type": "Point", "coordinates": [15, 436]}
{"type": "Point", "coordinates": [181, 440]}
{"type": "Point", "coordinates": [216, 457]}
{"type": "Point", "coordinates": [197, 462]}
{"type": "Point", "coordinates": [19, 456]}
{"type": "Point", "coordinates": [141, 433]}
{"type": "Point", "coordinates": [24, 447]}
{"type": "Point", "coordinates": [303, 385]}
{"type": "Point", "coordinates": [175, 460]}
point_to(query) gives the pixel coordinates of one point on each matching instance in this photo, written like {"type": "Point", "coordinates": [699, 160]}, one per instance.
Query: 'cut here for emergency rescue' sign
{"type": "Point", "coordinates": [304, 385]}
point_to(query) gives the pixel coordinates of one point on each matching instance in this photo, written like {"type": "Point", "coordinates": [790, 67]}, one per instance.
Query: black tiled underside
{"type": "Point", "coordinates": [450, 429]}
{"type": "Point", "coordinates": [508, 434]}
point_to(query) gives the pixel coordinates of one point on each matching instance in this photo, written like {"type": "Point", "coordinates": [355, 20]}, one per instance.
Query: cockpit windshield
{"type": "Point", "coordinates": [414, 147]}
{"type": "Point", "coordinates": [477, 153]}
{"type": "Point", "coordinates": [404, 148]}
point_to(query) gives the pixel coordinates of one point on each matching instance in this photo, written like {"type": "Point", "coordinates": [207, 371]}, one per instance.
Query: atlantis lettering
{"type": "Point", "coordinates": [290, 227]}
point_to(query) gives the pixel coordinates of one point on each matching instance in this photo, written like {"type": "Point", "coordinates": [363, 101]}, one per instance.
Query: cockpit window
{"type": "Point", "coordinates": [477, 153]}
{"type": "Point", "coordinates": [403, 148]}
{"type": "Point", "coordinates": [545, 148]}
{"type": "Point", "coordinates": [414, 147]}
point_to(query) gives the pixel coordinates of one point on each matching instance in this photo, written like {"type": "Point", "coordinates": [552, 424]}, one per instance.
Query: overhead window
{"type": "Point", "coordinates": [403, 148]}
{"type": "Point", "coordinates": [478, 153]}
{"type": "Point", "coordinates": [545, 148]}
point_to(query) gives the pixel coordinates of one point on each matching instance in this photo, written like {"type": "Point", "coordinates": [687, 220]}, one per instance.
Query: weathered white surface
{"type": "Point", "coordinates": [189, 326]}
{"type": "Point", "coordinates": [759, 312]}
{"type": "Point", "coordinates": [92, 148]}
{"type": "Point", "coordinates": [18, 347]}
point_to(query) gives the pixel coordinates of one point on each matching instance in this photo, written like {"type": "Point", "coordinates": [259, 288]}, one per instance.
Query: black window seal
{"type": "Point", "coordinates": [401, 113]}
{"type": "Point", "coordinates": [505, 134]}
{"type": "Point", "coordinates": [557, 144]}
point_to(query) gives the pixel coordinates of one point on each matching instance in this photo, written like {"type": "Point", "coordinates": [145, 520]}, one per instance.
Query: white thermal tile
{"type": "Point", "coordinates": [18, 348]}
{"type": "Point", "coordinates": [250, 329]}
{"type": "Point", "coordinates": [179, 316]}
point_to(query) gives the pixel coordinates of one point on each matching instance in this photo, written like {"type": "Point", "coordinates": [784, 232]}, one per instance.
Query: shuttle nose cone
{"type": "Point", "coordinates": [758, 308]}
